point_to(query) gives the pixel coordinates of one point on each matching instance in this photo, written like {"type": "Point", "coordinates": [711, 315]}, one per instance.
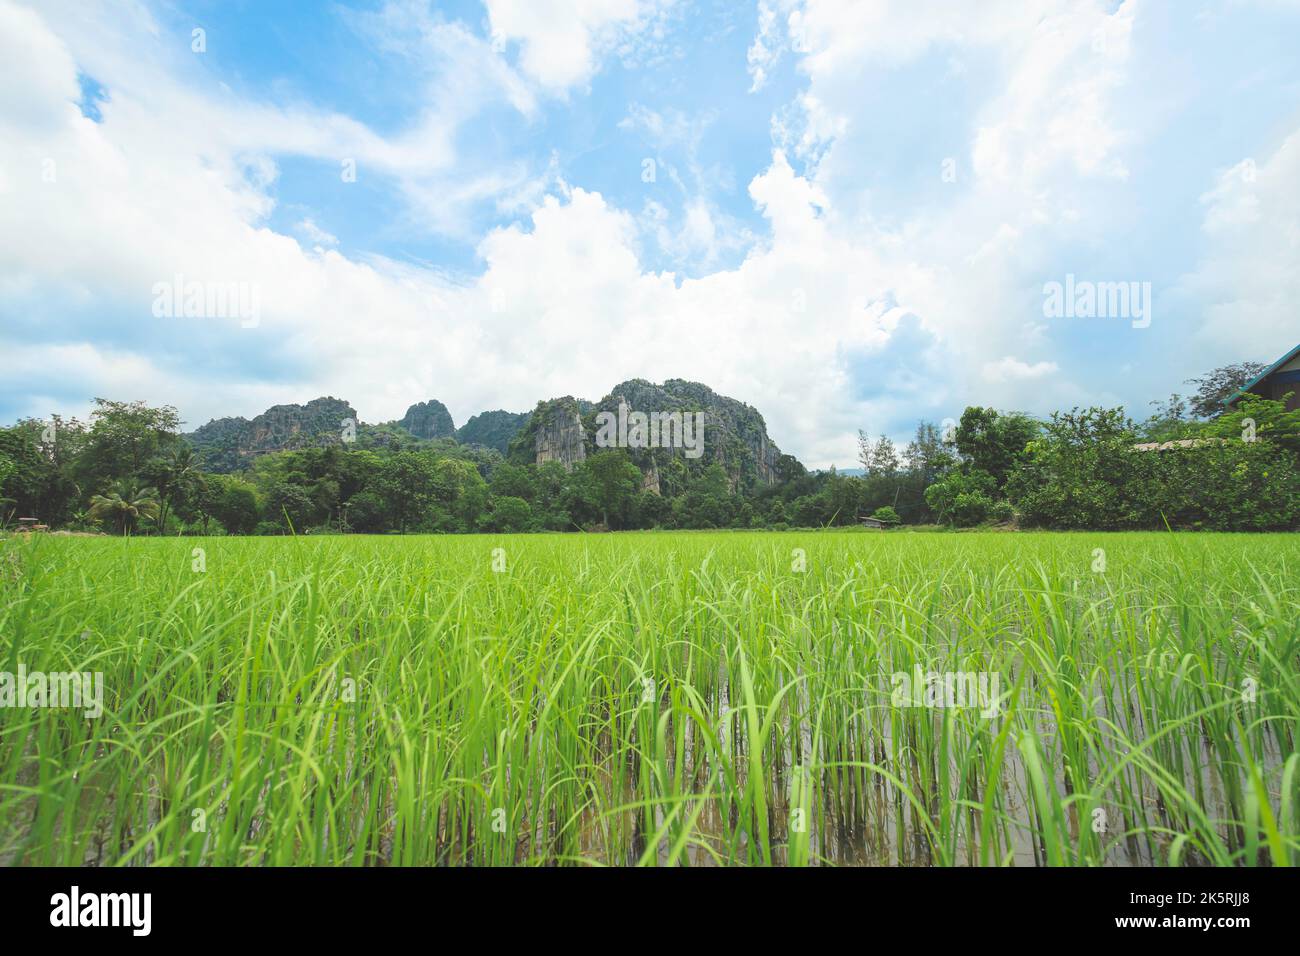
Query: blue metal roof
{"type": "Point", "coordinates": [1262, 375]}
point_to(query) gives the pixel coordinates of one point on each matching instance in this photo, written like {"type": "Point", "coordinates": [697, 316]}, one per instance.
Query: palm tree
{"type": "Point", "coordinates": [174, 479]}
{"type": "Point", "coordinates": [125, 504]}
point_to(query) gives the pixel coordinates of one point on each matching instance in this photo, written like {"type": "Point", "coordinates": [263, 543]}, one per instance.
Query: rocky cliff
{"type": "Point", "coordinates": [230, 444]}
{"type": "Point", "coordinates": [562, 429]}
{"type": "Point", "coordinates": [554, 432]}
{"type": "Point", "coordinates": [429, 420]}
{"type": "Point", "coordinates": [492, 429]}
{"type": "Point", "coordinates": [735, 435]}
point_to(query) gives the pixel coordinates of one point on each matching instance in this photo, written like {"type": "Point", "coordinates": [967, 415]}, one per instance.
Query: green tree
{"type": "Point", "coordinates": [45, 456]}
{"type": "Point", "coordinates": [174, 477]}
{"type": "Point", "coordinates": [289, 506]}
{"type": "Point", "coordinates": [199, 500]}
{"type": "Point", "coordinates": [1085, 472]}
{"type": "Point", "coordinates": [1255, 419]}
{"type": "Point", "coordinates": [963, 498]}
{"type": "Point", "coordinates": [926, 455]}
{"type": "Point", "coordinates": [884, 457]}
{"type": "Point", "coordinates": [615, 482]}
{"type": "Point", "coordinates": [1169, 422]}
{"type": "Point", "coordinates": [508, 515]}
{"type": "Point", "coordinates": [7, 470]}
{"type": "Point", "coordinates": [864, 450]}
{"type": "Point", "coordinates": [407, 483]}
{"type": "Point", "coordinates": [233, 503]}
{"type": "Point", "coordinates": [124, 505]}
{"type": "Point", "coordinates": [123, 436]}
{"type": "Point", "coordinates": [1074, 473]}
{"type": "Point", "coordinates": [461, 491]}
{"type": "Point", "coordinates": [516, 481]}
{"type": "Point", "coordinates": [1217, 386]}
{"type": "Point", "coordinates": [993, 442]}
{"type": "Point", "coordinates": [845, 496]}
{"type": "Point", "coordinates": [365, 512]}
{"type": "Point", "coordinates": [551, 502]}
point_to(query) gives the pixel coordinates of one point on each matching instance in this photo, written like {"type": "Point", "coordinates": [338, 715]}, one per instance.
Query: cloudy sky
{"type": "Point", "coordinates": [841, 212]}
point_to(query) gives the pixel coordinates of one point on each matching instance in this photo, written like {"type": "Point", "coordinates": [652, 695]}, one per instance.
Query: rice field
{"type": "Point", "coordinates": [819, 698]}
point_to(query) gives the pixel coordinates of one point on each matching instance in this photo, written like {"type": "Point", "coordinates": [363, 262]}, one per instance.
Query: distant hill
{"type": "Point", "coordinates": [429, 420]}
{"type": "Point", "coordinates": [230, 444]}
{"type": "Point", "coordinates": [559, 429]}
{"type": "Point", "coordinates": [492, 429]}
{"type": "Point", "coordinates": [227, 445]}
{"type": "Point", "coordinates": [735, 435]}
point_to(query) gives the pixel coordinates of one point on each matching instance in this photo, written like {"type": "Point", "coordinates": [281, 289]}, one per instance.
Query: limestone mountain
{"type": "Point", "coordinates": [735, 435]}
{"type": "Point", "coordinates": [554, 432]}
{"type": "Point", "coordinates": [227, 445]}
{"type": "Point", "coordinates": [492, 429]}
{"type": "Point", "coordinates": [429, 420]}
{"type": "Point", "coordinates": [230, 444]}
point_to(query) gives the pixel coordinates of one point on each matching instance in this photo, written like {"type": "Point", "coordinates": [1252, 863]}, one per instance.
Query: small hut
{"type": "Point", "coordinates": [1278, 379]}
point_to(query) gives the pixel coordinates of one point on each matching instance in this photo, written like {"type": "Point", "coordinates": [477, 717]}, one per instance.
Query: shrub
{"type": "Point", "coordinates": [962, 498]}
{"type": "Point", "coordinates": [1084, 472]}
{"type": "Point", "coordinates": [1002, 512]}
{"type": "Point", "coordinates": [886, 515]}
{"type": "Point", "coordinates": [509, 515]}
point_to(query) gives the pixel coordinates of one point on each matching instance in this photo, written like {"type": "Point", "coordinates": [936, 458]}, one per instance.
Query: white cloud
{"type": "Point", "coordinates": [163, 101]}
{"type": "Point", "coordinates": [1060, 64]}
{"type": "Point", "coordinates": [703, 234]}
{"type": "Point", "coordinates": [563, 306]}
{"type": "Point", "coordinates": [840, 316]}
{"type": "Point", "coordinates": [1042, 81]}
{"type": "Point", "coordinates": [562, 41]}
{"type": "Point", "coordinates": [1055, 106]}
{"type": "Point", "coordinates": [315, 234]}
{"type": "Point", "coordinates": [770, 42]}
{"type": "Point", "coordinates": [1010, 368]}
{"type": "Point", "coordinates": [668, 128]}
{"type": "Point", "coordinates": [1247, 275]}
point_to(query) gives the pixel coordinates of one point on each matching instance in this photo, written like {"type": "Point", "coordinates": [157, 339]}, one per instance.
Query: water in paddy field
{"type": "Point", "coordinates": [605, 698]}
{"type": "Point", "coordinates": [863, 819]}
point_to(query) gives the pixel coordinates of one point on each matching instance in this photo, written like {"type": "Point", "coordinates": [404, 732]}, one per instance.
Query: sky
{"type": "Point", "coordinates": [846, 214]}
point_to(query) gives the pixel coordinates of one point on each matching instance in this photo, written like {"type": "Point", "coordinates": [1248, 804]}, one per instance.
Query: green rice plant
{"type": "Point", "coordinates": [659, 699]}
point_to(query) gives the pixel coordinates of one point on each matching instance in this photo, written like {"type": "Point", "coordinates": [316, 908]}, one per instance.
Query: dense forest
{"type": "Point", "coordinates": [129, 469]}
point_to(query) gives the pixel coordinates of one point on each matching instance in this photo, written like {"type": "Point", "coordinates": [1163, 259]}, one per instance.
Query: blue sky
{"type": "Point", "coordinates": [596, 139]}
{"type": "Point", "coordinates": [841, 213]}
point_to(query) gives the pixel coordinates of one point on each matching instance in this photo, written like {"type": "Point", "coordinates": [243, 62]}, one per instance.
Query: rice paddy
{"type": "Point", "coordinates": [820, 698]}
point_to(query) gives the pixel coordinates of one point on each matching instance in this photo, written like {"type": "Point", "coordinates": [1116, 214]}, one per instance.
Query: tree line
{"type": "Point", "coordinates": [129, 470]}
